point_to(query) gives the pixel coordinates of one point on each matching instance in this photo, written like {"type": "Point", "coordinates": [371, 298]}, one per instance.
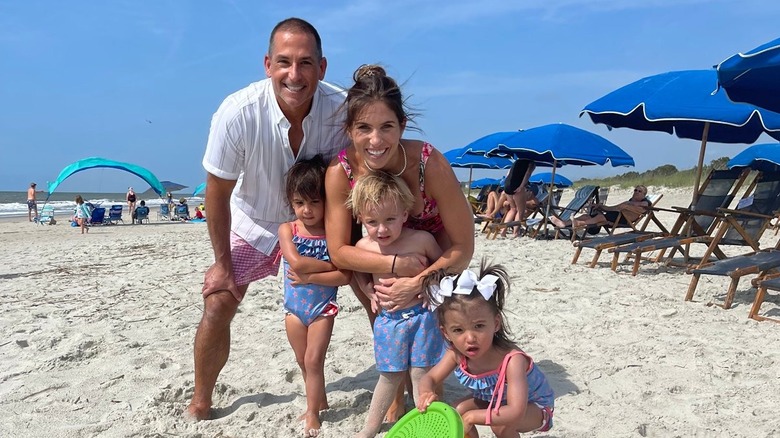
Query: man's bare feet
{"type": "Point", "coordinates": [197, 413]}
{"type": "Point", "coordinates": [312, 424]}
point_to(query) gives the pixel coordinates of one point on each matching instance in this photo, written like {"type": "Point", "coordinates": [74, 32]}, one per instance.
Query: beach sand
{"type": "Point", "coordinates": [96, 340]}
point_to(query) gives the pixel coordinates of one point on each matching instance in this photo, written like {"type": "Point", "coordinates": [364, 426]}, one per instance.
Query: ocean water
{"type": "Point", "coordinates": [14, 204]}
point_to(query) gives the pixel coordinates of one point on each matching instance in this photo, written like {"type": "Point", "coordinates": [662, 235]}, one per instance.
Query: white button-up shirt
{"type": "Point", "coordinates": [249, 142]}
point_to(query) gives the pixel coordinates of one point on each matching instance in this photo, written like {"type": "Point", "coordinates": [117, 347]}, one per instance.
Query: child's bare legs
{"type": "Point", "coordinates": [383, 396]}
{"type": "Point", "coordinates": [532, 420]}
{"type": "Point", "coordinates": [310, 345]}
{"type": "Point", "coordinates": [83, 224]}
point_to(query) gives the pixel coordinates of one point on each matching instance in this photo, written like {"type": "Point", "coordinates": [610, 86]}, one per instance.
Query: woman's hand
{"type": "Point", "coordinates": [409, 265]}
{"type": "Point", "coordinates": [396, 293]}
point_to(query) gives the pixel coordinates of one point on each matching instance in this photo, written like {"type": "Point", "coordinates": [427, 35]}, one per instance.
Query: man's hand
{"type": "Point", "coordinates": [218, 278]}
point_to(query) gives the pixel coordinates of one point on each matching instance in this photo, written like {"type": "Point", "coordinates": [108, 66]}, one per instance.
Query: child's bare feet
{"type": "Point", "coordinates": [312, 424]}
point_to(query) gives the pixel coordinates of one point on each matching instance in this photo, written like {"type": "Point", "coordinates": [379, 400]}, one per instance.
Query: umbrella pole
{"type": "Point", "coordinates": [702, 149]}
{"type": "Point", "coordinates": [550, 194]}
{"type": "Point", "coordinates": [469, 186]}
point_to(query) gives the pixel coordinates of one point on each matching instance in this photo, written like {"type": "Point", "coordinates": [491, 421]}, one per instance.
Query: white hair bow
{"type": "Point", "coordinates": [467, 281]}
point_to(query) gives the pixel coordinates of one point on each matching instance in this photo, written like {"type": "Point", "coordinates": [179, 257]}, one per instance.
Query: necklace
{"type": "Point", "coordinates": [394, 174]}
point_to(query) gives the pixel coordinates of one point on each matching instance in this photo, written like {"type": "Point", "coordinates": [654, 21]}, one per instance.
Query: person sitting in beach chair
{"type": "Point", "coordinates": [141, 213]}
{"type": "Point", "coordinates": [182, 210]}
{"type": "Point", "coordinates": [623, 214]}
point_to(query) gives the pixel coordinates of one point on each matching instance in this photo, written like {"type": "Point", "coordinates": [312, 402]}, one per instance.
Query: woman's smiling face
{"type": "Point", "coordinates": [376, 134]}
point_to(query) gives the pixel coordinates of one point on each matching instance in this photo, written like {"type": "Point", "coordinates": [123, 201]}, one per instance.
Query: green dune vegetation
{"type": "Point", "coordinates": [666, 176]}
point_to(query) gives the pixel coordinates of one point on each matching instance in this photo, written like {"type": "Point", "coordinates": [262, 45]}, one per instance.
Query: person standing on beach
{"type": "Point", "coordinates": [515, 188]}
{"type": "Point", "coordinates": [32, 204]}
{"type": "Point", "coordinates": [131, 198]}
{"type": "Point", "coordinates": [256, 135]}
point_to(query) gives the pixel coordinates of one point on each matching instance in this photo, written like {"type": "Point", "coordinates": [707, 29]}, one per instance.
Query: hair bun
{"type": "Point", "coordinates": [369, 70]}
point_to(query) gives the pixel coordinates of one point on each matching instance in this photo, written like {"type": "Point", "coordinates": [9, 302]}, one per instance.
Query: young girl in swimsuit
{"type": "Point", "coordinates": [310, 283]}
{"type": "Point", "coordinates": [510, 394]}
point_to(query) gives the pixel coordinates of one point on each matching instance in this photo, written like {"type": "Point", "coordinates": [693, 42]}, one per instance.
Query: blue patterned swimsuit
{"type": "Point", "coordinates": [309, 301]}
{"type": "Point", "coordinates": [490, 387]}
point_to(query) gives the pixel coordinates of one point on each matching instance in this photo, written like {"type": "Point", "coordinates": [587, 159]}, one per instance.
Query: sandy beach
{"type": "Point", "coordinates": [96, 340]}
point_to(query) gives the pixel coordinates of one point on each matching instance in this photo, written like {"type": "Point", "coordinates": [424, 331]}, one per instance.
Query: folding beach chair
{"type": "Point", "coordinates": [599, 244]}
{"type": "Point", "coordinates": [768, 282]}
{"type": "Point", "coordinates": [745, 227]}
{"type": "Point", "coordinates": [694, 224]}
{"type": "Point", "coordinates": [584, 197]}
{"type": "Point", "coordinates": [47, 215]}
{"type": "Point", "coordinates": [98, 216]}
{"type": "Point", "coordinates": [164, 213]}
{"type": "Point", "coordinates": [141, 214]}
{"type": "Point", "coordinates": [114, 215]}
{"type": "Point", "coordinates": [621, 221]}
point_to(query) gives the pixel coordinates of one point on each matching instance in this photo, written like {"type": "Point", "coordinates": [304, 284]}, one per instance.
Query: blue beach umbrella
{"type": "Point", "coordinates": [461, 157]}
{"type": "Point", "coordinates": [684, 104]}
{"type": "Point", "coordinates": [482, 182]}
{"type": "Point", "coordinates": [547, 177]}
{"type": "Point", "coordinates": [556, 145]}
{"type": "Point", "coordinates": [753, 77]}
{"type": "Point", "coordinates": [764, 157]}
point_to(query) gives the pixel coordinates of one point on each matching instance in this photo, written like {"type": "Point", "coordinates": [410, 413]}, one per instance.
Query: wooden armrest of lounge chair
{"type": "Point", "coordinates": [743, 213]}
{"type": "Point", "coordinates": [756, 282]}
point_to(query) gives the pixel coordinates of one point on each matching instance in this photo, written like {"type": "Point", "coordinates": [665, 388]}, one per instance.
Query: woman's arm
{"type": "Point", "coordinates": [434, 377]}
{"type": "Point", "coordinates": [300, 264]}
{"type": "Point", "coordinates": [338, 228]}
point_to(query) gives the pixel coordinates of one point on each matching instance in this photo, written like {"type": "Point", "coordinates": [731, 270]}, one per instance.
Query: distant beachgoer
{"type": "Point", "coordinates": [631, 210]}
{"type": "Point", "coordinates": [82, 214]}
{"type": "Point", "coordinates": [130, 200]}
{"type": "Point", "coordinates": [516, 182]}
{"type": "Point", "coordinates": [170, 202]}
{"type": "Point", "coordinates": [32, 204]}
{"type": "Point", "coordinates": [141, 212]}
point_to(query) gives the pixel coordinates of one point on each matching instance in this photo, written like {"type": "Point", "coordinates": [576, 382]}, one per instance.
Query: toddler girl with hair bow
{"type": "Point", "coordinates": [510, 394]}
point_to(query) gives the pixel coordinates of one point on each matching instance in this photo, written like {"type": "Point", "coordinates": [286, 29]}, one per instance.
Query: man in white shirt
{"type": "Point", "coordinates": [256, 135]}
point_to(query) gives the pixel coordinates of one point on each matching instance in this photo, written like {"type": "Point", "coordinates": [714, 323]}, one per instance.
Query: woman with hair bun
{"type": "Point", "coordinates": [376, 118]}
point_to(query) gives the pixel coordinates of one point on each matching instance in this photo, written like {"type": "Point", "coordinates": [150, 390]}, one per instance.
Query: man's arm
{"type": "Point", "coordinates": [220, 276]}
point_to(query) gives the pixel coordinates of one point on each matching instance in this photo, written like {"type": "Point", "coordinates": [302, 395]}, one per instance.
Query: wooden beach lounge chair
{"type": "Point", "coordinates": [768, 282]}
{"type": "Point", "coordinates": [584, 197]}
{"type": "Point", "coordinates": [622, 222]}
{"type": "Point", "coordinates": [694, 224]}
{"type": "Point", "coordinates": [612, 240]}
{"type": "Point", "coordinates": [742, 227]}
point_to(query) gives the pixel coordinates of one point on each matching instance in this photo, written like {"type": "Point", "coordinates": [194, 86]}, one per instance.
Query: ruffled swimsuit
{"type": "Point", "coordinates": [309, 301]}
{"type": "Point", "coordinates": [491, 387]}
{"type": "Point", "coordinates": [429, 219]}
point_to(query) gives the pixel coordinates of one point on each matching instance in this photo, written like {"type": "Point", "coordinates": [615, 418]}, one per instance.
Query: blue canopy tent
{"type": "Point", "coordinates": [95, 162]}
{"type": "Point", "coordinates": [683, 103]}
{"type": "Point", "coordinates": [200, 189]}
{"type": "Point", "coordinates": [752, 77]}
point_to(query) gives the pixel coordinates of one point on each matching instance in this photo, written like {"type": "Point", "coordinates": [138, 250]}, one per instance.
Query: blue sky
{"type": "Point", "coordinates": [138, 81]}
